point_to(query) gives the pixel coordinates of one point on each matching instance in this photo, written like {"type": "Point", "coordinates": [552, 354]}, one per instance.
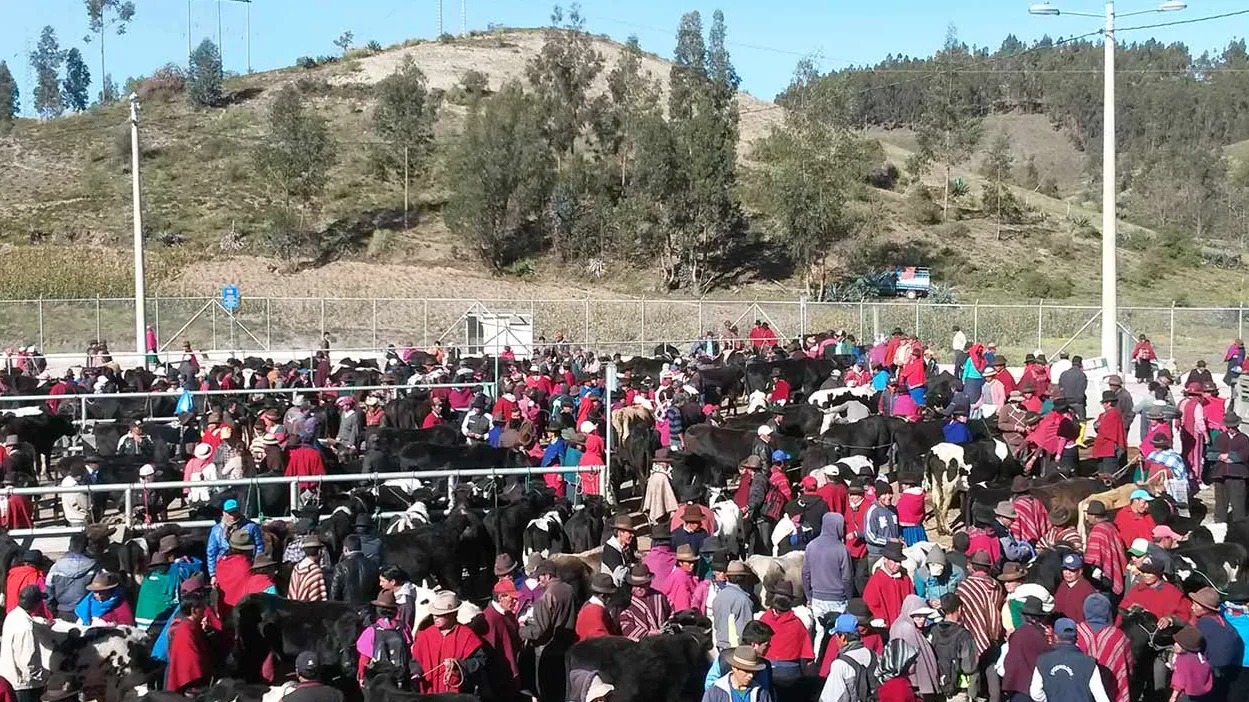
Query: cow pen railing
{"type": "Point", "coordinates": [129, 490]}
{"type": "Point", "coordinates": [81, 399]}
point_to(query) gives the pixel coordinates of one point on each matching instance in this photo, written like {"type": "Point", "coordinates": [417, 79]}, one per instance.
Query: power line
{"type": "Point", "coordinates": [1173, 23]}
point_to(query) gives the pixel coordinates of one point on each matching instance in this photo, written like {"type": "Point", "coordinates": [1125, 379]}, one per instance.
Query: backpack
{"type": "Point", "coordinates": [865, 681]}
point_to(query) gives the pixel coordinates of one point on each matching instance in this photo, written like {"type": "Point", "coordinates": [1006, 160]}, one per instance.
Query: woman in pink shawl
{"type": "Point", "coordinates": [1193, 429]}
{"type": "Point", "coordinates": [904, 407]}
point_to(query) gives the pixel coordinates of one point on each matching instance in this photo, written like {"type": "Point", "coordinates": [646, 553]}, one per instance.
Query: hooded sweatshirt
{"type": "Point", "coordinates": [827, 571]}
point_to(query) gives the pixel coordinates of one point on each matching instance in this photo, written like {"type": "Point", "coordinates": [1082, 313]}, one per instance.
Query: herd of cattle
{"type": "Point", "coordinates": [449, 538]}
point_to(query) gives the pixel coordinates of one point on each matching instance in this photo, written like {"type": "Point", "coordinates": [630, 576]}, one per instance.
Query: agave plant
{"type": "Point", "coordinates": [942, 294]}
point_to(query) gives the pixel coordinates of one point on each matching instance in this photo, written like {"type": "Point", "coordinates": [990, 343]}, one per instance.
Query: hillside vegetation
{"type": "Point", "coordinates": [551, 160]}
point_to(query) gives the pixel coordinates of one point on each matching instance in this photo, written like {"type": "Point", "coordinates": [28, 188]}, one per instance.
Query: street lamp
{"type": "Point", "coordinates": [1110, 304]}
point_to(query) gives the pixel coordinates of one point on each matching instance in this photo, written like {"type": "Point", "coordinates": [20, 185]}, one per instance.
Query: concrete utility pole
{"type": "Point", "coordinates": [463, 18]}
{"type": "Point", "coordinates": [140, 296]}
{"type": "Point", "coordinates": [439, 19]}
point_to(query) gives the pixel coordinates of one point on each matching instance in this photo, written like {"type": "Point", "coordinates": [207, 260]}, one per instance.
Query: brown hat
{"type": "Point", "coordinates": [737, 568]}
{"type": "Point", "coordinates": [661, 456]}
{"type": "Point", "coordinates": [692, 513]}
{"type": "Point", "coordinates": [104, 581]}
{"type": "Point", "coordinates": [1006, 509]}
{"type": "Point", "coordinates": [622, 522]}
{"type": "Point", "coordinates": [1012, 571]}
{"type": "Point", "coordinates": [168, 544]}
{"type": "Point", "coordinates": [1096, 508]}
{"type": "Point", "coordinates": [639, 574]}
{"type": "Point", "coordinates": [685, 554]}
{"type": "Point", "coordinates": [751, 462]}
{"type": "Point", "coordinates": [241, 540]}
{"type": "Point", "coordinates": [1207, 597]}
{"type": "Point", "coordinates": [981, 558]}
{"type": "Point", "coordinates": [602, 584]}
{"type": "Point", "coordinates": [747, 658]}
{"type": "Point", "coordinates": [445, 603]}
{"type": "Point", "coordinates": [386, 598]}
{"type": "Point", "coordinates": [504, 564]}
{"type": "Point", "coordinates": [1190, 639]}
{"type": "Point", "coordinates": [1020, 484]}
{"type": "Point", "coordinates": [263, 561]}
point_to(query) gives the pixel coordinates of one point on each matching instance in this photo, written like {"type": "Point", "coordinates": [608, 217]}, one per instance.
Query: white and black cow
{"type": "Point", "coordinates": [545, 534]}
{"type": "Point", "coordinates": [950, 468]}
{"type": "Point", "coordinates": [109, 659]}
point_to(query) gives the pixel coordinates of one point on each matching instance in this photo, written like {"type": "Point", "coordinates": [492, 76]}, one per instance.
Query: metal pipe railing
{"type": "Point", "coordinates": [253, 391]}
{"type": "Point", "coordinates": [294, 481]}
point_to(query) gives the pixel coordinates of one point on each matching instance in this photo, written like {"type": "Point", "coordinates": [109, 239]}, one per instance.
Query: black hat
{"type": "Point", "coordinates": [1020, 484]}
{"type": "Point", "coordinates": [858, 607]}
{"type": "Point", "coordinates": [893, 551]}
{"type": "Point", "coordinates": [1097, 508]}
{"type": "Point", "coordinates": [782, 587]}
{"type": "Point", "coordinates": [1231, 420]}
{"type": "Point", "coordinates": [363, 520]}
{"type": "Point", "coordinates": [1150, 566]}
{"type": "Point", "coordinates": [1110, 396]}
{"type": "Point", "coordinates": [308, 664]}
{"type": "Point", "coordinates": [1032, 607]}
{"type": "Point", "coordinates": [602, 584]}
{"type": "Point", "coordinates": [661, 532]}
{"type": "Point", "coordinates": [30, 595]}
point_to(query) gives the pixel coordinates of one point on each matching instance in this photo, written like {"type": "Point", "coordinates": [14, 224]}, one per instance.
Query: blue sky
{"type": "Point", "coordinates": [766, 37]}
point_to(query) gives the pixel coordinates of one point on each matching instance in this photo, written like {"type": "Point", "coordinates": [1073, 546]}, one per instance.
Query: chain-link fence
{"type": "Point", "coordinates": [628, 326]}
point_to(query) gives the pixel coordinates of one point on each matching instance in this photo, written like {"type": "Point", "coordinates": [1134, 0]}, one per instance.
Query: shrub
{"type": "Point", "coordinates": [167, 82]}
{"type": "Point", "coordinates": [374, 47]}
{"type": "Point", "coordinates": [884, 177]}
{"type": "Point", "coordinates": [306, 62]}
{"type": "Point", "coordinates": [920, 207]}
{"type": "Point", "coordinates": [1036, 284]}
{"type": "Point", "coordinates": [1049, 187]}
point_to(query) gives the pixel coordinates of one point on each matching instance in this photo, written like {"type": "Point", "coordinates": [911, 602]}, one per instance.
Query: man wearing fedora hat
{"type": "Point", "coordinates": [889, 585]}
{"type": "Point", "coordinates": [1224, 647]}
{"type": "Point", "coordinates": [691, 524]}
{"type": "Point", "coordinates": [1104, 549]}
{"type": "Point", "coordinates": [593, 620]}
{"type": "Point", "coordinates": [158, 593]}
{"type": "Point", "coordinates": [618, 551]}
{"type": "Point", "coordinates": [502, 639]}
{"type": "Point", "coordinates": [386, 640]}
{"type": "Point", "coordinates": [551, 632]}
{"type": "Point", "coordinates": [681, 582]}
{"type": "Point", "coordinates": [1111, 441]}
{"type": "Point", "coordinates": [660, 559]}
{"type": "Point", "coordinates": [447, 656]}
{"type": "Point", "coordinates": [1163, 458]}
{"type": "Point", "coordinates": [790, 651]}
{"type": "Point", "coordinates": [1024, 646]}
{"type": "Point", "coordinates": [982, 599]}
{"type": "Point", "coordinates": [740, 684]}
{"type": "Point", "coordinates": [1031, 517]}
{"type": "Point", "coordinates": [232, 520]}
{"type": "Point", "coordinates": [263, 579]}
{"type": "Point", "coordinates": [1229, 469]}
{"type": "Point", "coordinates": [233, 571]}
{"type": "Point", "coordinates": [648, 608]}
{"type": "Point", "coordinates": [307, 582]}
{"type": "Point", "coordinates": [732, 606]}
{"type": "Point", "coordinates": [105, 602]}
{"type": "Point", "coordinates": [28, 568]}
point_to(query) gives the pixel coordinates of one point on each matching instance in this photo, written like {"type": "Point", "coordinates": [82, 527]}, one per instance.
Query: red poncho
{"type": "Point", "coordinates": [790, 640]}
{"type": "Point", "coordinates": [305, 460]}
{"type": "Point", "coordinates": [836, 495]}
{"type": "Point", "coordinates": [233, 572]}
{"type": "Point", "coordinates": [593, 622]}
{"type": "Point", "coordinates": [19, 577]}
{"type": "Point", "coordinates": [16, 512]}
{"type": "Point", "coordinates": [912, 374]}
{"type": "Point", "coordinates": [1111, 434]}
{"type": "Point", "coordinates": [256, 582]}
{"type": "Point", "coordinates": [855, 516]}
{"type": "Point", "coordinates": [884, 594]}
{"type": "Point", "coordinates": [432, 647]}
{"type": "Point", "coordinates": [190, 657]}
{"type": "Point", "coordinates": [1132, 526]}
{"type": "Point", "coordinates": [1105, 551]}
{"type": "Point", "coordinates": [1032, 521]}
{"type": "Point", "coordinates": [1164, 600]}
{"type": "Point", "coordinates": [1113, 653]}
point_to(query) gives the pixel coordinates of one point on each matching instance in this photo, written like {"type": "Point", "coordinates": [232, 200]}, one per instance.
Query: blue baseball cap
{"type": "Point", "coordinates": [779, 455]}
{"type": "Point", "coordinates": [1065, 629]}
{"type": "Point", "coordinates": [1072, 561]}
{"type": "Point", "coordinates": [846, 624]}
{"type": "Point", "coordinates": [1140, 495]}
{"type": "Point", "coordinates": [230, 506]}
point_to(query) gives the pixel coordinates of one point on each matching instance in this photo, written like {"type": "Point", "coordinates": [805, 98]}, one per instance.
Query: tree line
{"type": "Point", "coordinates": [1175, 113]}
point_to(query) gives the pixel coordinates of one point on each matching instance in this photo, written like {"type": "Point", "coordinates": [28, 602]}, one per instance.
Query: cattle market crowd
{"type": "Point", "coordinates": [762, 536]}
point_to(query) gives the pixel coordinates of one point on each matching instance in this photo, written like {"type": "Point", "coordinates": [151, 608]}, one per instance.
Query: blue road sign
{"type": "Point", "coordinates": [230, 297]}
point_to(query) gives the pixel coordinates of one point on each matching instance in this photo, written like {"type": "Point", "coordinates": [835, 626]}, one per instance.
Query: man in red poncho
{"type": "Point", "coordinates": [190, 655]}
{"type": "Point", "coordinates": [27, 569]}
{"type": "Point", "coordinates": [233, 571]}
{"type": "Point", "coordinates": [593, 621]}
{"type": "Point", "coordinates": [1134, 521]}
{"type": "Point", "coordinates": [503, 639]}
{"type": "Point", "coordinates": [1111, 440]}
{"type": "Point", "coordinates": [16, 511]}
{"type": "Point", "coordinates": [448, 655]}
{"type": "Point", "coordinates": [912, 377]}
{"type": "Point", "coordinates": [889, 585]}
{"type": "Point", "coordinates": [1104, 551]}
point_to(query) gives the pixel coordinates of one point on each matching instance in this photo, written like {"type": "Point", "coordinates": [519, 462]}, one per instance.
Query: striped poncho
{"type": "Point", "coordinates": [982, 609]}
{"type": "Point", "coordinates": [1032, 521]}
{"type": "Point", "coordinates": [1105, 551]}
{"type": "Point", "coordinates": [1110, 648]}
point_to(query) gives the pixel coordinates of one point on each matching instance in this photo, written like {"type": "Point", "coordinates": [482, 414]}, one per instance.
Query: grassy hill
{"type": "Point", "coordinates": [65, 221]}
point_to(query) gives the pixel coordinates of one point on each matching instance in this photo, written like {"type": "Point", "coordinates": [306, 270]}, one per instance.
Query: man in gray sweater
{"type": "Point", "coordinates": [827, 571]}
{"type": "Point", "coordinates": [732, 608]}
{"type": "Point", "coordinates": [1075, 386]}
{"type": "Point", "coordinates": [68, 578]}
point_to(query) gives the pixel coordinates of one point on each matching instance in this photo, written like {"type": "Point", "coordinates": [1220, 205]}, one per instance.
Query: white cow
{"type": "Point", "coordinates": [945, 475]}
{"type": "Point", "coordinates": [104, 657]}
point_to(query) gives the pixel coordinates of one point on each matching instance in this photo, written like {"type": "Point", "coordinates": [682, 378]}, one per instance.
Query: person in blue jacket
{"type": "Point", "coordinates": [955, 430]}
{"type": "Point", "coordinates": [232, 519]}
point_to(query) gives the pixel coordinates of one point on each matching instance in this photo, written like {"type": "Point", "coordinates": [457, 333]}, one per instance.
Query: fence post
{"type": "Point", "coordinates": [862, 322]}
{"type": "Point", "coordinates": [97, 319]}
{"type": "Point", "coordinates": [213, 311]}
{"type": "Point", "coordinates": [1240, 321]}
{"type": "Point", "coordinates": [129, 503]}
{"type": "Point", "coordinates": [1040, 310]}
{"type": "Point", "coordinates": [586, 331]}
{"type": "Point", "coordinates": [1171, 351]}
{"type": "Point", "coordinates": [268, 324]}
{"type": "Point", "coordinates": [43, 345]}
{"type": "Point", "coordinates": [294, 495]}
{"type": "Point", "coordinates": [642, 333]}
{"type": "Point", "coordinates": [322, 316]}
{"type": "Point", "coordinates": [917, 318]}
{"type": "Point", "coordinates": [156, 311]}
{"type": "Point", "coordinates": [699, 332]}
{"type": "Point", "coordinates": [975, 321]}
{"type": "Point", "coordinates": [802, 318]}
{"type": "Point", "coordinates": [375, 324]}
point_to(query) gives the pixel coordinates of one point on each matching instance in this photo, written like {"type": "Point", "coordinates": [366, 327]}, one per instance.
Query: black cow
{"type": "Point", "coordinates": [725, 449]}
{"type": "Point", "coordinates": [584, 528]}
{"type": "Point", "coordinates": [112, 658]}
{"type": "Point", "coordinates": [1199, 565]}
{"type": "Point", "coordinates": [1146, 641]}
{"type": "Point", "coordinates": [664, 668]}
{"type": "Point", "coordinates": [506, 524]}
{"type": "Point", "coordinates": [721, 385]}
{"type": "Point", "coordinates": [429, 550]}
{"type": "Point", "coordinates": [41, 431]}
{"type": "Point", "coordinates": [871, 437]}
{"type": "Point", "coordinates": [265, 624]}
